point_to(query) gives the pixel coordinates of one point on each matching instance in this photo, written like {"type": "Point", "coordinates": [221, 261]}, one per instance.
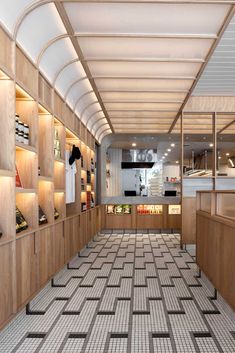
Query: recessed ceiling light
{"type": "Point", "coordinates": [177, 162]}
{"type": "Point", "coordinates": [227, 154]}
{"type": "Point", "coordinates": [172, 145]}
{"type": "Point", "coordinates": [165, 154]}
{"type": "Point", "coordinates": [169, 150]}
{"type": "Point", "coordinates": [219, 157]}
{"type": "Point", "coordinates": [163, 157]}
{"type": "Point", "coordinates": [133, 144]}
{"type": "Point", "coordinates": [211, 144]}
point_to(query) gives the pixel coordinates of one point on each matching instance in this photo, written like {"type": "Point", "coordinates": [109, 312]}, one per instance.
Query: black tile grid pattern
{"type": "Point", "coordinates": [125, 293]}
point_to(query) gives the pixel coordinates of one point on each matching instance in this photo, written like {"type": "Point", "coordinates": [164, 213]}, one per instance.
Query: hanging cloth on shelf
{"type": "Point", "coordinates": [71, 171]}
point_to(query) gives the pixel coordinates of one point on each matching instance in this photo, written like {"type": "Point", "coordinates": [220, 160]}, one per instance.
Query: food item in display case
{"type": "Point", "coordinates": [127, 209]}
{"type": "Point", "coordinates": [118, 209]}
{"type": "Point", "coordinates": [110, 209]}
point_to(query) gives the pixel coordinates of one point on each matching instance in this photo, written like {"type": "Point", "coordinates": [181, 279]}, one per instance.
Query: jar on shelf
{"type": "Point", "coordinates": [20, 126]}
{"type": "Point", "coordinates": [21, 137]}
{"type": "Point", "coordinates": [26, 129]}
{"type": "Point", "coordinates": [26, 139]}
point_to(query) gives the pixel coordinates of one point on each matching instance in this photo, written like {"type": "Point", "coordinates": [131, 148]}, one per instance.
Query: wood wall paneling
{"type": "Point", "coordinates": [46, 255]}
{"type": "Point", "coordinates": [45, 93]}
{"type": "Point", "coordinates": [26, 73]}
{"type": "Point", "coordinates": [58, 107]}
{"type": "Point", "coordinates": [6, 54]}
{"type": "Point", "coordinates": [7, 207]}
{"type": "Point", "coordinates": [26, 268]}
{"type": "Point", "coordinates": [46, 146]}
{"type": "Point", "coordinates": [59, 242]}
{"type": "Point", "coordinates": [7, 121]}
{"type": "Point", "coordinates": [188, 235]}
{"type": "Point", "coordinates": [7, 282]}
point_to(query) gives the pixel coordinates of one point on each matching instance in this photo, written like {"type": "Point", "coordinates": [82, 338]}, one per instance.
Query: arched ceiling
{"type": "Point", "coordinates": [123, 66]}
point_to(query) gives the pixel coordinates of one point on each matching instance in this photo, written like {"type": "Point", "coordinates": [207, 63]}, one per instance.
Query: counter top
{"type": "Point", "coordinates": [141, 200]}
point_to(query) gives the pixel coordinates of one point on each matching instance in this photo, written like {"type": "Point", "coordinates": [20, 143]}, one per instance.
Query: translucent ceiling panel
{"type": "Point", "coordinates": [106, 133]}
{"type": "Point", "coordinates": [97, 125]}
{"type": "Point", "coordinates": [38, 28]}
{"type": "Point", "coordinates": [143, 68]}
{"type": "Point", "coordinates": [144, 48]}
{"type": "Point", "coordinates": [154, 126]}
{"type": "Point", "coordinates": [154, 18]}
{"type": "Point", "coordinates": [143, 106]}
{"type": "Point", "coordinates": [11, 10]}
{"type": "Point", "coordinates": [56, 56]}
{"type": "Point", "coordinates": [89, 111]}
{"type": "Point", "coordinates": [77, 90]}
{"type": "Point", "coordinates": [99, 116]}
{"type": "Point", "coordinates": [145, 114]}
{"type": "Point", "coordinates": [141, 121]}
{"type": "Point", "coordinates": [102, 129]}
{"type": "Point", "coordinates": [85, 101]}
{"type": "Point", "coordinates": [142, 96]}
{"type": "Point", "coordinates": [68, 75]}
{"type": "Point", "coordinates": [126, 130]}
{"type": "Point", "coordinates": [143, 84]}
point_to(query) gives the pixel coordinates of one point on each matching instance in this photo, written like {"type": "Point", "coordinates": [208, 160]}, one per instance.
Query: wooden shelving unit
{"type": "Point", "coordinates": [33, 256]}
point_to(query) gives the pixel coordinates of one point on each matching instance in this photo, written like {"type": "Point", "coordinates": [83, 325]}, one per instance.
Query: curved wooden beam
{"type": "Point", "coordinates": [47, 45]}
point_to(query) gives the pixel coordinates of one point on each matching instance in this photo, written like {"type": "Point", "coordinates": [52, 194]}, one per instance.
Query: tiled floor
{"type": "Point", "coordinates": [134, 293]}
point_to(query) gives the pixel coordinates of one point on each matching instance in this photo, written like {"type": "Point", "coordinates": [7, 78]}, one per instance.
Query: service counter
{"type": "Point", "coordinates": [141, 213]}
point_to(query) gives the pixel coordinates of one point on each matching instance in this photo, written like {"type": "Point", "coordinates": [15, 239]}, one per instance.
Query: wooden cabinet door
{"type": "Point", "coordinates": [26, 268]}
{"type": "Point", "coordinates": [59, 246]}
{"type": "Point", "coordinates": [83, 230]}
{"type": "Point", "coordinates": [46, 255]}
{"type": "Point", "coordinates": [7, 269]}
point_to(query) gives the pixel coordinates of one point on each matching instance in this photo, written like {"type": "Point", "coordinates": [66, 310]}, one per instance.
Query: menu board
{"type": "Point", "coordinates": [118, 209]}
{"type": "Point", "coordinates": [174, 209]}
{"type": "Point", "coordinates": [149, 209]}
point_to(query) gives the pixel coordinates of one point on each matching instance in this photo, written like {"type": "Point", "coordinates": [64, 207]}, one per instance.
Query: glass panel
{"type": "Point", "coordinates": [226, 147]}
{"type": "Point", "coordinates": [154, 18]}
{"type": "Point", "coordinates": [225, 205]}
{"type": "Point", "coordinates": [206, 202]}
{"type": "Point", "coordinates": [191, 186]}
{"type": "Point", "coordinates": [56, 56]}
{"type": "Point", "coordinates": [198, 146]}
{"type": "Point", "coordinates": [144, 47]}
{"type": "Point", "coordinates": [46, 17]}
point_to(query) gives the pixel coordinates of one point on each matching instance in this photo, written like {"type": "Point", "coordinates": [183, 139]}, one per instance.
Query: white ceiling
{"type": "Point", "coordinates": [125, 66]}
